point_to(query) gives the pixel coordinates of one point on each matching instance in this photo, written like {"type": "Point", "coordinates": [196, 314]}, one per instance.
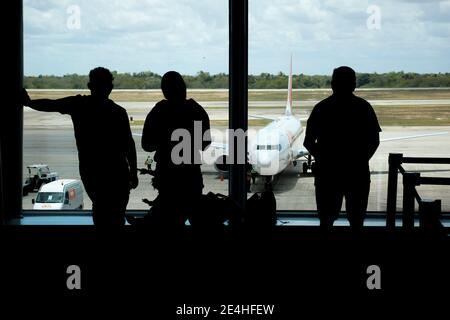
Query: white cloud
{"type": "Point", "coordinates": [126, 36]}
{"type": "Point", "coordinates": [444, 6]}
{"type": "Point", "coordinates": [185, 35]}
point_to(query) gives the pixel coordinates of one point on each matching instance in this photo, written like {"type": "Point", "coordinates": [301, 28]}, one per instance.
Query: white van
{"type": "Point", "coordinates": [63, 194]}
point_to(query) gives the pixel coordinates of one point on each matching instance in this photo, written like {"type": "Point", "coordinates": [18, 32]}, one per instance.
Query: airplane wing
{"type": "Point", "coordinates": [215, 145]}
{"type": "Point", "coordinates": [275, 118]}
{"type": "Point", "coordinates": [263, 117]}
{"type": "Point", "coordinates": [302, 152]}
{"type": "Point", "coordinates": [414, 136]}
{"type": "Point", "coordinates": [218, 145]}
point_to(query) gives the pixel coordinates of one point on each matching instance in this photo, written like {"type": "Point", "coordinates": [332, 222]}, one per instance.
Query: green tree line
{"type": "Point", "coordinates": [204, 80]}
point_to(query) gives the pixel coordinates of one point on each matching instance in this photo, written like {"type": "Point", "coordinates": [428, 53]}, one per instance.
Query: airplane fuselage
{"type": "Point", "coordinates": [271, 151]}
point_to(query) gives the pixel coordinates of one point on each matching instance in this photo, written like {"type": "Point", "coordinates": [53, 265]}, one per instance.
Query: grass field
{"type": "Point", "coordinates": [413, 115]}
{"type": "Point", "coordinates": [400, 114]}
{"type": "Point", "coordinates": [221, 95]}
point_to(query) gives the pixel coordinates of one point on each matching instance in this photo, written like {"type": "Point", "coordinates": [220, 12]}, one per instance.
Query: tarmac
{"type": "Point", "coordinates": [49, 139]}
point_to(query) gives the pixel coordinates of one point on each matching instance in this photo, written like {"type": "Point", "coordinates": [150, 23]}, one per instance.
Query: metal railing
{"type": "Point", "coordinates": [429, 210]}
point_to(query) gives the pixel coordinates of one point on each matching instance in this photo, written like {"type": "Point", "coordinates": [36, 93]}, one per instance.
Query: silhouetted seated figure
{"type": "Point", "coordinates": [106, 149]}
{"type": "Point", "coordinates": [177, 129]}
{"type": "Point", "coordinates": [342, 134]}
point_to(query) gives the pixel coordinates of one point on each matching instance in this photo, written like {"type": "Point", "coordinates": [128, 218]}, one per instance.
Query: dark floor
{"type": "Point", "coordinates": [294, 267]}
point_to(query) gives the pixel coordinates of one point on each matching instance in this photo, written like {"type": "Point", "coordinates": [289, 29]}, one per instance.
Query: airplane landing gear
{"type": "Point", "coordinates": [308, 165]}
{"type": "Point", "coordinates": [268, 183]}
{"type": "Point", "coordinates": [305, 167]}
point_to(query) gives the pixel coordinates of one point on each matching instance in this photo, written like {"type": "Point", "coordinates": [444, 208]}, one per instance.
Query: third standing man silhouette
{"type": "Point", "coordinates": [342, 134]}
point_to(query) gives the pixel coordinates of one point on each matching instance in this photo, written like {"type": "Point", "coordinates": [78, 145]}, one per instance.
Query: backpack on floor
{"type": "Point", "coordinates": [261, 211]}
{"type": "Point", "coordinates": [214, 210]}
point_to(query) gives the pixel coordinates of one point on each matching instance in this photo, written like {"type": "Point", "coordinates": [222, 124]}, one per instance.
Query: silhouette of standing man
{"type": "Point", "coordinates": [179, 183]}
{"type": "Point", "coordinates": [342, 134]}
{"type": "Point", "coordinates": [102, 131]}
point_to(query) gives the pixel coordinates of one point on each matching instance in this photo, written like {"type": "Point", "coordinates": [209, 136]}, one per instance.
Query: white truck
{"type": "Point", "coordinates": [38, 174]}
{"type": "Point", "coordinates": [63, 194]}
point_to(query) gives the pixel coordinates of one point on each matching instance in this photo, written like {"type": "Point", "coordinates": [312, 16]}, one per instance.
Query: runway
{"type": "Point", "coordinates": [218, 110]}
{"type": "Point", "coordinates": [55, 146]}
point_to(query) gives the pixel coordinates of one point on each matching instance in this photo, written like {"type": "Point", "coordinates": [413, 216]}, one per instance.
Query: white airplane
{"type": "Point", "coordinates": [271, 150]}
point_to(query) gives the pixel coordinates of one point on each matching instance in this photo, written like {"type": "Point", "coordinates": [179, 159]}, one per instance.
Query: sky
{"type": "Point", "coordinates": [74, 36]}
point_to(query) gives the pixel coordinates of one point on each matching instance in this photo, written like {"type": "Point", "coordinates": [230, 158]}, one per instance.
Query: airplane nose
{"type": "Point", "coordinates": [264, 160]}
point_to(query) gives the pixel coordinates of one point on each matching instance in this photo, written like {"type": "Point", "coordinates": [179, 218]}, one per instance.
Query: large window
{"type": "Point", "coordinates": [139, 41]}
{"type": "Point", "coordinates": [396, 47]}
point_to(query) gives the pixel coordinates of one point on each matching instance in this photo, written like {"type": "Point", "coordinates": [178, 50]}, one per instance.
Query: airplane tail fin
{"type": "Point", "coordinates": [288, 111]}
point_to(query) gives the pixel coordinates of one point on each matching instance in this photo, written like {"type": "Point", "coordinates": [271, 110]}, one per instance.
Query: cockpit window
{"type": "Point", "coordinates": [269, 147]}
{"type": "Point", "coordinates": [274, 147]}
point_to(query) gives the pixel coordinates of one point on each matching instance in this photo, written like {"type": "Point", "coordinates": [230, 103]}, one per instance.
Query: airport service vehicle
{"type": "Point", "coordinates": [62, 194]}
{"type": "Point", "coordinates": [38, 174]}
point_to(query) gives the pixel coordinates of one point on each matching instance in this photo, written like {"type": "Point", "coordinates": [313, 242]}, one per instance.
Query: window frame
{"type": "Point", "coordinates": [12, 148]}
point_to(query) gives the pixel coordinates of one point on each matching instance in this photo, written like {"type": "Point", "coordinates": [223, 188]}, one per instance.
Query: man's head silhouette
{"type": "Point", "coordinates": [173, 86]}
{"type": "Point", "coordinates": [100, 82]}
{"type": "Point", "coordinates": [343, 80]}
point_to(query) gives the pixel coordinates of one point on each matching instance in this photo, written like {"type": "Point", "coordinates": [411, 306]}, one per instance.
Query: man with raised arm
{"type": "Point", "coordinates": [102, 131]}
